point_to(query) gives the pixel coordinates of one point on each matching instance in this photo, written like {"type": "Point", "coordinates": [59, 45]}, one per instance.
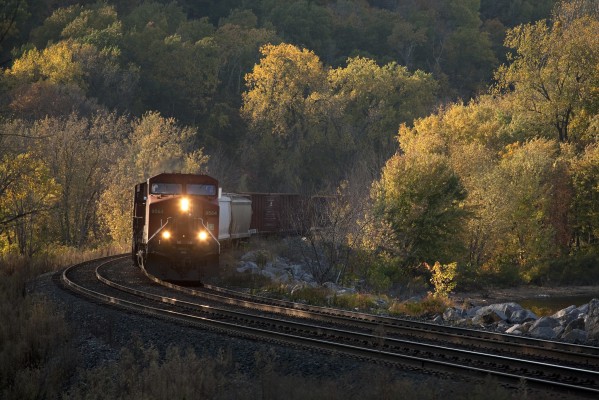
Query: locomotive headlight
{"type": "Point", "coordinates": [166, 235]}
{"type": "Point", "coordinates": [184, 204]}
{"type": "Point", "coordinates": [203, 235]}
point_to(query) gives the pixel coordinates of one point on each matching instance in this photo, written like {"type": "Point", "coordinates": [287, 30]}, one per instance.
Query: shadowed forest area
{"type": "Point", "coordinates": [459, 138]}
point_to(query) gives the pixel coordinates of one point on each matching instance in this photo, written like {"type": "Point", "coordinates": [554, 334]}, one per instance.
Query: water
{"type": "Point", "coordinates": [543, 306]}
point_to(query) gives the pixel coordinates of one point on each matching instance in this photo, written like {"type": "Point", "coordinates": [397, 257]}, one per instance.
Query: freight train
{"type": "Point", "coordinates": [182, 223]}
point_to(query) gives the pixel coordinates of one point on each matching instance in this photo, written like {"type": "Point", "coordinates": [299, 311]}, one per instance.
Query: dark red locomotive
{"type": "Point", "coordinates": [176, 225]}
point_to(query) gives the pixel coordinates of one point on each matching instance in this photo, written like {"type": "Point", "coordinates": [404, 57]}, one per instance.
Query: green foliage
{"type": "Point", "coordinates": [96, 24]}
{"type": "Point", "coordinates": [420, 198]}
{"type": "Point", "coordinates": [12, 15]}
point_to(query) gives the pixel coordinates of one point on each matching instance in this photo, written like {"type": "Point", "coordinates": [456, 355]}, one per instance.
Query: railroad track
{"type": "Point", "coordinates": [573, 369]}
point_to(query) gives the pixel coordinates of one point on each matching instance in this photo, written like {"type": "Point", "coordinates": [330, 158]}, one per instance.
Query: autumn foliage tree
{"type": "Point", "coordinates": [553, 73]}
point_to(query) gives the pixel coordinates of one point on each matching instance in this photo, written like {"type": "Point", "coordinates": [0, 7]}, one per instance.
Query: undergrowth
{"type": "Point", "coordinates": [141, 373]}
{"type": "Point", "coordinates": [36, 356]}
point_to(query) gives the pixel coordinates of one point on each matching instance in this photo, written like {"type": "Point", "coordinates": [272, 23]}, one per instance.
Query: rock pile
{"type": "Point", "coordinates": [279, 270]}
{"type": "Point", "coordinates": [574, 324]}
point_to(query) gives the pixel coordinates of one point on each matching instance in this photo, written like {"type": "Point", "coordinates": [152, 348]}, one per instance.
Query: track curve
{"type": "Point", "coordinates": [390, 340]}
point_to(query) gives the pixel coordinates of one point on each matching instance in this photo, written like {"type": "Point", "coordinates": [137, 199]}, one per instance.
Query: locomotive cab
{"type": "Point", "coordinates": [175, 226]}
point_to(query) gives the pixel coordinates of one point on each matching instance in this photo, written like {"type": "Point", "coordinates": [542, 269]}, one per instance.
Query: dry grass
{"type": "Point", "coordinates": [428, 306]}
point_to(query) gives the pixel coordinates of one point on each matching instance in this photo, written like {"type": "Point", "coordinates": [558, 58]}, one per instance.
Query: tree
{"type": "Point", "coordinates": [585, 204]}
{"type": "Point", "coordinates": [554, 74]}
{"type": "Point", "coordinates": [25, 203]}
{"type": "Point", "coordinates": [375, 100]}
{"type": "Point", "coordinates": [79, 152]}
{"type": "Point", "coordinates": [523, 195]}
{"type": "Point", "coordinates": [419, 198]}
{"type": "Point", "coordinates": [75, 74]}
{"type": "Point", "coordinates": [12, 13]}
{"type": "Point", "coordinates": [303, 23]}
{"type": "Point", "coordinates": [285, 93]}
{"type": "Point", "coordinates": [178, 70]}
{"type": "Point", "coordinates": [97, 24]}
{"type": "Point", "coordinates": [154, 145]}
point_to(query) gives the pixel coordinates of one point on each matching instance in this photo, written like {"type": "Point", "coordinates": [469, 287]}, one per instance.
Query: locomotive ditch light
{"type": "Point", "coordinates": [166, 235]}
{"type": "Point", "coordinates": [184, 204]}
{"type": "Point", "coordinates": [203, 235]}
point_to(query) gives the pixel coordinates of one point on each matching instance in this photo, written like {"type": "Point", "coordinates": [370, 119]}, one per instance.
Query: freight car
{"type": "Point", "coordinates": [182, 222]}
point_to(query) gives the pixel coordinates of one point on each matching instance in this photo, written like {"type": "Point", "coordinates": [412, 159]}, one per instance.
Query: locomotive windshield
{"type": "Point", "coordinates": [166, 188]}
{"type": "Point", "coordinates": [201, 189]}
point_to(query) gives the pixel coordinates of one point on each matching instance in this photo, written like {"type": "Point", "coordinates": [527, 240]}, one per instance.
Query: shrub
{"type": "Point", "coordinates": [443, 277]}
{"type": "Point", "coordinates": [429, 305]}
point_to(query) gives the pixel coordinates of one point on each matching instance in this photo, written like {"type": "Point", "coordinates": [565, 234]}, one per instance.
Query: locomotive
{"type": "Point", "coordinates": [176, 226]}
{"type": "Point", "coordinates": [182, 222]}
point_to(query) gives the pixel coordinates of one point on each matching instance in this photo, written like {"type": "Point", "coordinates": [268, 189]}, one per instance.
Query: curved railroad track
{"type": "Point", "coordinates": [573, 369]}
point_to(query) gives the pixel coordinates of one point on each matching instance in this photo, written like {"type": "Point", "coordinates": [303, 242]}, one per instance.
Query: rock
{"type": "Point", "coordinates": [562, 313]}
{"type": "Point", "coordinates": [575, 335]}
{"type": "Point", "coordinates": [332, 286]}
{"type": "Point", "coordinates": [525, 327]}
{"type": "Point", "coordinates": [545, 322]}
{"type": "Point", "coordinates": [584, 309]}
{"type": "Point", "coordinates": [453, 314]}
{"type": "Point", "coordinates": [488, 316]}
{"type": "Point", "coordinates": [248, 266]}
{"type": "Point", "coordinates": [576, 324]}
{"type": "Point", "coordinates": [520, 316]}
{"type": "Point", "coordinates": [438, 319]}
{"type": "Point", "coordinates": [567, 315]}
{"type": "Point", "coordinates": [514, 329]}
{"type": "Point", "coordinates": [592, 321]}
{"type": "Point", "coordinates": [502, 326]}
{"type": "Point", "coordinates": [472, 311]}
{"type": "Point", "coordinates": [544, 332]}
{"type": "Point", "coordinates": [546, 328]}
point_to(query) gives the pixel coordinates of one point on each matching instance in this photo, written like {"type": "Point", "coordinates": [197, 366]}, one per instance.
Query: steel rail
{"type": "Point", "coordinates": [352, 337]}
{"type": "Point", "coordinates": [579, 354]}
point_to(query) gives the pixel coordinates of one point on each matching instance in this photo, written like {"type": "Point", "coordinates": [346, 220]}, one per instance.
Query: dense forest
{"type": "Point", "coordinates": [463, 132]}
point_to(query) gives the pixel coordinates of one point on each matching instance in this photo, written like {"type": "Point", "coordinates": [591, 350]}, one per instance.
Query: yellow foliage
{"type": "Point", "coordinates": [282, 86]}
{"type": "Point", "coordinates": [57, 64]}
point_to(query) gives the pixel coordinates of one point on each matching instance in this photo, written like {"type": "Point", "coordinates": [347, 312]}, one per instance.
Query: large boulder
{"type": "Point", "coordinates": [592, 321]}
{"type": "Point", "coordinates": [576, 324]}
{"type": "Point", "coordinates": [546, 328]}
{"type": "Point", "coordinates": [521, 316]}
{"type": "Point", "coordinates": [488, 316]}
{"type": "Point", "coordinates": [575, 335]}
{"type": "Point", "coordinates": [567, 315]}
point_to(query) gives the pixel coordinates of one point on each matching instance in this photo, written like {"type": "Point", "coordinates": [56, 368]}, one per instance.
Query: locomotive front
{"type": "Point", "coordinates": [176, 237]}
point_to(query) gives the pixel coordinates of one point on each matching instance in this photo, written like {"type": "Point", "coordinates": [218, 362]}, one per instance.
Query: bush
{"type": "Point", "coordinates": [428, 306]}
{"type": "Point", "coordinates": [579, 269]}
